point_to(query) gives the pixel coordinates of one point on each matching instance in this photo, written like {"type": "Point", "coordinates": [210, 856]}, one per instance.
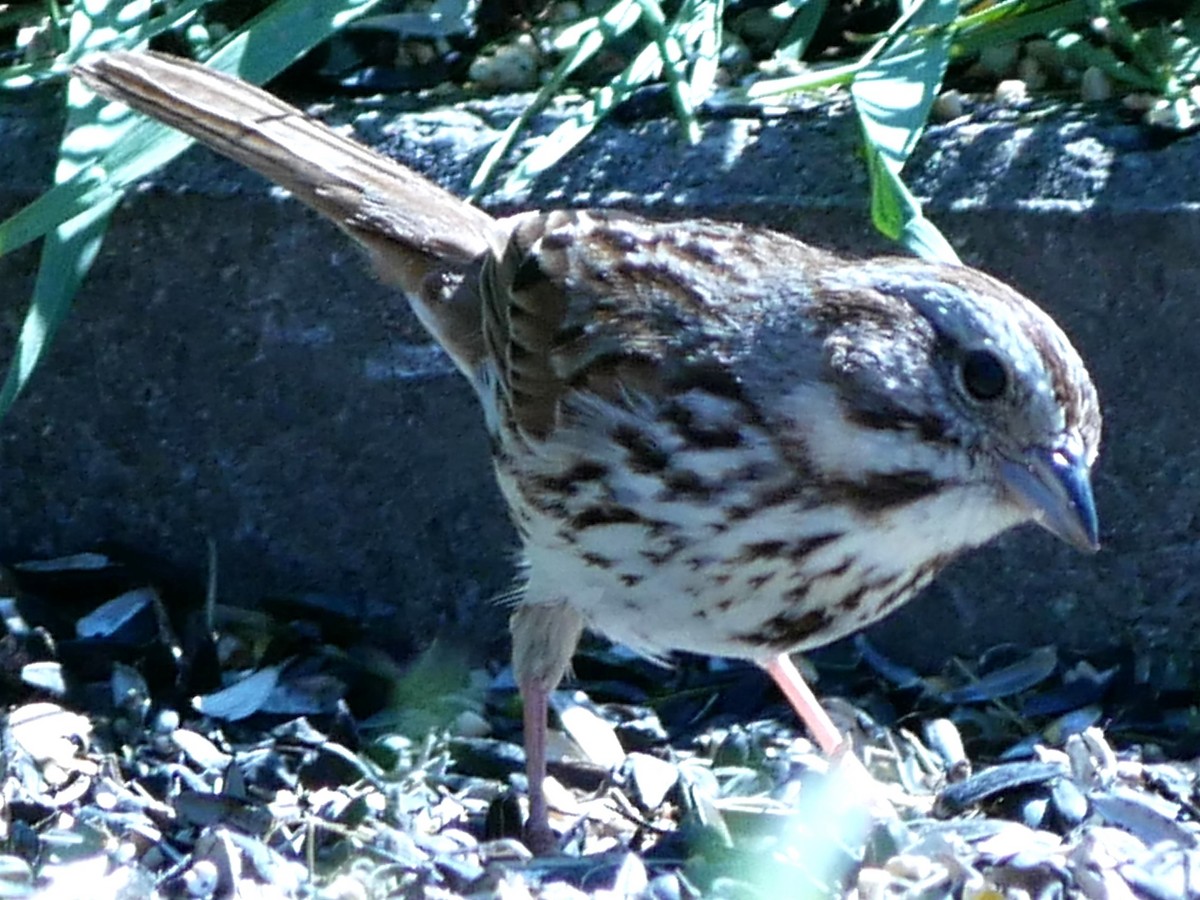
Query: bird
{"type": "Point", "coordinates": [710, 437]}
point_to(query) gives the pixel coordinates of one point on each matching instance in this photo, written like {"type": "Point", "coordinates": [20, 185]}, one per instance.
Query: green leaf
{"type": "Point", "coordinates": [106, 148]}
{"type": "Point", "coordinates": [580, 42]}
{"type": "Point", "coordinates": [893, 93]}
{"type": "Point", "coordinates": [685, 51]}
{"type": "Point", "coordinates": [645, 67]}
{"type": "Point", "coordinates": [801, 28]}
{"type": "Point", "coordinates": [71, 246]}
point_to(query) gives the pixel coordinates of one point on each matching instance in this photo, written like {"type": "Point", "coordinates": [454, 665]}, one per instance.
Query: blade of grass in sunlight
{"type": "Point", "coordinates": [73, 242]}
{"type": "Point", "coordinates": [892, 95]}
{"type": "Point", "coordinates": [580, 42]}
{"type": "Point", "coordinates": [20, 77]}
{"type": "Point", "coordinates": [106, 148]}
{"type": "Point", "coordinates": [684, 51]}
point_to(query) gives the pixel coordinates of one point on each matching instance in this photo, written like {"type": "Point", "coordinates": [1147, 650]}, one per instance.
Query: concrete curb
{"type": "Point", "coordinates": [232, 371]}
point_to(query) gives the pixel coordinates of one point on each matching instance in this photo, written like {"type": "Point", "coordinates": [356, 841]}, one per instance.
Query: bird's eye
{"type": "Point", "coordinates": [983, 375]}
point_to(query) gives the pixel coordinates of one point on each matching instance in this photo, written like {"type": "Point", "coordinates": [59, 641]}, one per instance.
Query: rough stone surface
{"type": "Point", "coordinates": [232, 372]}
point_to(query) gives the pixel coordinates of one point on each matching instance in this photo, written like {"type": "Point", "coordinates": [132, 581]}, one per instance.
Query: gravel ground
{"type": "Point", "coordinates": [159, 745]}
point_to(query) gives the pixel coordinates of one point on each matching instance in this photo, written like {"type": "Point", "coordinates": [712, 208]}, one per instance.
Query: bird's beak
{"type": "Point", "coordinates": [1055, 486]}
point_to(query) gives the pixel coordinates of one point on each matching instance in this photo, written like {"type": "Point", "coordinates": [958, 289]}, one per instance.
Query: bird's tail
{"type": "Point", "coordinates": [411, 227]}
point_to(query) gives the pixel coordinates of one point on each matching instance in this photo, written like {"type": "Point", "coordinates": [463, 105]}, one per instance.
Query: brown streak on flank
{"type": "Point", "coordinates": [604, 515]}
{"type": "Point", "coordinates": [659, 558]}
{"type": "Point", "coordinates": [685, 483]}
{"type": "Point", "coordinates": [644, 455]}
{"type": "Point", "coordinates": [758, 581]}
{"type": "Point", "coordinates": [568, 482]}
{"type": "Point", "coordinates": [552, 506]}
{"type": "Point", "coordinates": [721, 580]}
{"type": "Point", "coordinates": [761, 550]}
{"type": "Point", "coordinates": [784, 631]}
{"type": "Point", "coordinates": [805, 547]}
{"type": "Point", "coordinates": [701, 252]}
{"type": "Point", "coordinates": [916, 582]}
{"type": "Point", "coordinates": [631, 580]}
{"type": "Point", "coordinates": [617, 239]}
{"type": "Point", "coordinates": [854, 599]}
{"type": "Point", "coordinates": [595, 559]}
{"type": "Point", "coordinates": [781, 495]}
{"type": "Point", "coordinates": [834, 571]}
{"type": "Point", "coordinates": [674, 546]}
{"type": "Point", "coordinates": [725, 605]}
{"type": "Point", "coordinates": [701, 437]}
{"type": "Point", "coordinates": [797, 594]}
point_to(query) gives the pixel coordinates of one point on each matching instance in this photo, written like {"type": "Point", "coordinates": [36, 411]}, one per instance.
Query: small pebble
{"type": "Point", "coordinates": [875, 884]}
{"type": "Point", "coordinates": [469, 723]}
{"type": "Point", "coordinates": [344, 887]}
{"type": "Point", "coordinates": [1012, 91]}
{"type": "Point", "coordinates": [1095, 86]}
{"type": "Point", "coordinates": [509, 67]}
{"type": "Point", "coordinates": [201, 879]}
{"type": "Point", "coordinates": [948, 106]}
{"type": "Point", "coordinates": [912, 868]}
{"type": "Point", "coordinates": [166, 722]}
{"type": "Point", "coordinates": [1030, 71]}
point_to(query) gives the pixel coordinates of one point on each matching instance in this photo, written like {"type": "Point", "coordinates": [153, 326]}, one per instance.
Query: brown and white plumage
{"type": "Point", "coordinates": [711, 437]}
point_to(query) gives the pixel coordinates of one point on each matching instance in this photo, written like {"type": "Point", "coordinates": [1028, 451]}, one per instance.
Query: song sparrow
{"type": "Point", "coordinates": [711, 437]}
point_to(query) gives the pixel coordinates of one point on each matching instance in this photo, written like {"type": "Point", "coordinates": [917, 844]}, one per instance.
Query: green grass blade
{"type": "Point", "coordinates": [106, 148]}
{"type": "Point", "coordinates": [71, 246]}
{"type": "Point", "coordinates": [801, 29]}
{"type": "Point", "coordinates": [22, 76]}
{"type": "Point", "coordinates": [580, 42]}
{"type": "Point", "coordinates": [892, 96]}
{"type": "Point", "coordinates": [645, 67]}
{"type": "Point", "coordinates": [684, 51]}
{"type": "Point", "coordinates": [1014, 20]}
{"type": "Point", "coordinates": [134, 146]}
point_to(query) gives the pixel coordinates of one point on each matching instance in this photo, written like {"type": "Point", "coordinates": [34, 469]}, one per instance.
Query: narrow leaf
{"type": "Point", "coordinates": [106, 148]}
{"type": "Point", "coordinates": [892, 94]}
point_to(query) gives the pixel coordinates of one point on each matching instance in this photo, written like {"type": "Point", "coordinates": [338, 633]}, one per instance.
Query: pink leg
{"type": "Point", "coordinates": [538, 836]}
{"type": "Point", "coordinates": [825, 733]}
{"type": "Point", "coordinates": [831, 741]}
{"type": "Point", "coordinates": [544, 638]}
{"type": "Point", "coordinates": [805, 702]}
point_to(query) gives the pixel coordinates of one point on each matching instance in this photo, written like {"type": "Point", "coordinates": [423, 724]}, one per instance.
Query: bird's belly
{"type": "Point", "coordinates": [752, 591]}
{"type": "Point", "coordinates": [790, 577]}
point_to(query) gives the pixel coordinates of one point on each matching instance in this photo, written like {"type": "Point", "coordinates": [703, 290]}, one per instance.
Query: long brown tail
{"type": "Point", "coordinates": [411, 227]}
